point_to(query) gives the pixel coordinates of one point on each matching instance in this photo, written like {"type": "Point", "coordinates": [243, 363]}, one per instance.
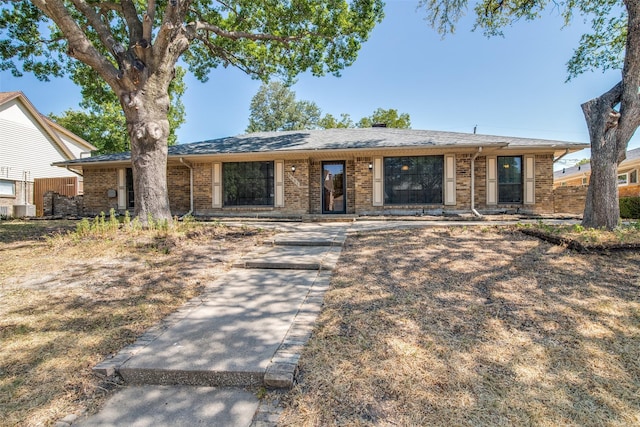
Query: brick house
{"type": "Point", "coordinates": [628, 182]}
{"type": "Point", "coordinates": [375, 171]}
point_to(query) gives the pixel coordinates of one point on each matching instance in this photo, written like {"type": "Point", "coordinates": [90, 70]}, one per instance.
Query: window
{"type": "Point", "coordinates": [413, 180]}
{"type": "Point", "coordinates": [131, 199]}
{"type": "Point", "coordinates": [584, 180]}
{"type": "Point", "coordinates": [623, 179]}
{"type": "Point", "coordinates": [248, 184]}
{"type": "Point", "coordinates": [633, 177]}
{"type": "Point", "coordinates": [7, 188]}
{"type": "Point", "coordinates": [510, 179]}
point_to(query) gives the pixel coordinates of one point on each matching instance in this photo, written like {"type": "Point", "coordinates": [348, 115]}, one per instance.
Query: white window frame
{"type": "Point", "coordinates": [623, 182]}
{"type": "Point", "coordinates": [13, 188]}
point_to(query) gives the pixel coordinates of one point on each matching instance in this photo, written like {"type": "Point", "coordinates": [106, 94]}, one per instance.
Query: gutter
{"type": "Point", "coordinates": [567, 151]}
{"type": "Point", "coordinates": [71, 170]}
{"type": "Point", "coordinates": [190, 188]}
{"type": "Point", "coordinates": [473, 183]}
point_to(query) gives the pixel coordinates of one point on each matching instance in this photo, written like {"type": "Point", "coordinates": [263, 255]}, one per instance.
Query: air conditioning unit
{"type": "Point", "coordinates": [23, 211]}
{"type": "Point", "coordinates": [5, 212]}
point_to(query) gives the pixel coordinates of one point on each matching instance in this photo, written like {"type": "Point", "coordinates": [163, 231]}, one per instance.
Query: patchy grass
{"type": "Point", "coordinates": [624, 235]}
{"type": "Point", "coordinates": [68, 301]}
{"type": "Point", "coordinates": [458, 326]}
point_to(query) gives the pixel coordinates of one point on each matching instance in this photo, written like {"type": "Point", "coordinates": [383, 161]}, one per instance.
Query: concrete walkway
{"type": "Point", "coordinates": [203, 364]}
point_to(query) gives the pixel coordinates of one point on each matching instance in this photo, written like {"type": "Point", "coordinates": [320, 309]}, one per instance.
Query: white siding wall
{"type": "Point", "coordinates": [77, 150]}
{"type": "Point", "coordinates": [25, 147]}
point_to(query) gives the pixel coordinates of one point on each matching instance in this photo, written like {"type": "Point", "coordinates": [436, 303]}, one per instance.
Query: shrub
{"type": "Point", "coordinates": [630, 207]}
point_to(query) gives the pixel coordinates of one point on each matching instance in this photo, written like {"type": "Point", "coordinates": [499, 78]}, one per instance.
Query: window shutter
{"type": "Point", "coordinates": [450, 179]}
{"type": "Point", "coordinates": [217, 185]}
{"type": "Point", "coordinates": [279, 184]}
{"type": "Point", "coordinates": [529, 180]}
{"type": "Point", "coordinates": [122, 189]}
{"type": "Point", "coordinates": [378, 188]}
{"type": "Point", "coordinates": [492, 180]}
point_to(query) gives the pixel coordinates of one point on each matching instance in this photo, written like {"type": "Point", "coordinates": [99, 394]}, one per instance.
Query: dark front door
{"type": "Point", "coordinates": [333, 188]}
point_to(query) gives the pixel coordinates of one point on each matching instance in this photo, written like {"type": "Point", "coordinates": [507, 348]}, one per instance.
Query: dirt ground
{"type": "Point", "coordinates": [472, 327]}
{"type": "Point", "coordinates": [66, 303]}
{"type": "Point", "coordinates": [436, 326]}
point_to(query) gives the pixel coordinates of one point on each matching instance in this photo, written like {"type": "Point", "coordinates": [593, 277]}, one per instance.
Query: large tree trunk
{"type": "Point", "coordinates": [610, 131]}
{"type": "Point", "coordinates": [601, 208]}
{"type": "Point", "coordinates": [148, 127]}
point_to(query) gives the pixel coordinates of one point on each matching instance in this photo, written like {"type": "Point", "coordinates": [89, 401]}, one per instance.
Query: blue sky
{"type": "Point", "coordinates": [511, 86]}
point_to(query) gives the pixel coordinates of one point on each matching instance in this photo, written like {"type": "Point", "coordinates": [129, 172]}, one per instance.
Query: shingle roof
{"type": "Point", "coordinates": [332, 139]}
{"type": "Point", "coordinates": [586, 168]}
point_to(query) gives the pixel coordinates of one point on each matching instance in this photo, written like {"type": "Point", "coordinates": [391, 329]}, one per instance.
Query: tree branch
{"type": "Point", "coordinates": [104, 32]}
{"type": "Point", "coordinates": [133, 22]}
{"type": "Point", "coordinates": [236, 35]}
{"type": "Point", "coordinates": [149, 17]}
{"type": "Point", "coordinates": [80, 46]}
{"type": "Point", "coordinates": [600, 115]}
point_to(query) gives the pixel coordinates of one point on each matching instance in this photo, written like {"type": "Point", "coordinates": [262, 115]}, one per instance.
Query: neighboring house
{"type": "Point", "coordinates": [341, 171]}
{"type": "Point", "coordinates": [29, 144]}
{"type": "Point", "coordinates": [579, 176]}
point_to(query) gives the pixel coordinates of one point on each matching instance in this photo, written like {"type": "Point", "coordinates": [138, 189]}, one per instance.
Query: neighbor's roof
{"type": "Point", "coordinates": [573, 171]}
{"type": "Point", "coordinates": [343, 139]}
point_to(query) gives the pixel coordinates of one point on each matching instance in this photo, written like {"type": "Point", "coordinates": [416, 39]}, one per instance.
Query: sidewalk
{"type": "Point", "coordinates": [203, 364]}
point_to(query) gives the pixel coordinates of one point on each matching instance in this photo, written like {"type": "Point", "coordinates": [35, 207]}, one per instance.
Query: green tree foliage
{"type": "Point", "coordinates": [613, 43]}
{"type": "Point", "coordinates": [328, 121]}
{"type": "Point", "coordinates": [134, 47]}
{"type": "Point", "coordinates": [274, 107]}
{"type": "Point", "coordinates": [390, 118]}
{"type": "Point", "coordinates": [101, 120]}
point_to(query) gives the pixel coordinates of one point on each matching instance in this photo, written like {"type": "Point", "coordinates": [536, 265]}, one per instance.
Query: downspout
{"type": "Point", "coordinates": [473, 183]}
{"type": "Point", "coordinates": [190, 188]}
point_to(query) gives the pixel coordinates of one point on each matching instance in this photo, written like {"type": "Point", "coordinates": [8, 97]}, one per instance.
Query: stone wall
{"type": "Point", "coordinates": [55, 204]}
{"type": "Point", "coordinates": [296, 187]}
{"type": "Point", "coordinates": [569, 200]}
{"type": "Point", "coordinates": [178, 184]}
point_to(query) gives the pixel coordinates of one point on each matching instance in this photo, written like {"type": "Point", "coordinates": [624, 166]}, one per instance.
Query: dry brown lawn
{"type": "Point", "coordinates": [472, 327]}
{"type": "Point", "coordinates": [67, 303]}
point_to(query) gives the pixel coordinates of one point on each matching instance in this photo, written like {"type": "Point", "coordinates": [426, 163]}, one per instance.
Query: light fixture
{"type": "Point", "coordinates": [370, 166]}
{"type": "Point", "coordinates": [293, 168]}
{"type": "Point", "coordinates": [405, 167]}
{"type": "Point", "coordinates": [506, 165]}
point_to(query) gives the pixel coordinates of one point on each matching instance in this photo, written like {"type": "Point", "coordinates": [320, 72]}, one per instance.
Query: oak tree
{"type": "Point", "coordinates": [612, 117]}
{"type": "Point", "coordinates": [134, 46]}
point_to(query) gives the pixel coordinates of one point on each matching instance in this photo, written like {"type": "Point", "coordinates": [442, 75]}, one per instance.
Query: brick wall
{"type": "Point", "coordinates": [544, 185]}
{"type": "Point", "coordinates": [97, 181]}
{"type": "Point", "coordinates": [463, 183]}
{"type": "Point", "coordinates": [569, 200]}
{"type": "Point", "coordinates": [202, 188]}
{"type": "Point", "coordinates": [631, 190]}
{"type": "Point", "coordinates": [363, 185]}
{"type": "Point", "coordinates": [296, 187]}
{"type": "Point", "coordinates": [178, 178]}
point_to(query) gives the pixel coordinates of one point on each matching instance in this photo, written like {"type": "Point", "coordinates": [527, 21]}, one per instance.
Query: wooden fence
{"type": "Point", "coordinates": [68, 186]}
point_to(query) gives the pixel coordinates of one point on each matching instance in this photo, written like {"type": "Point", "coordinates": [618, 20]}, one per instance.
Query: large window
{"type": "Point", "coordinates": [510, 179]}
{"type": "Point", "coordinates": [7, 188]}
{"type": "Point", "coordinates": [248, 184]}
{"type": "Point", "coordinates": [413, 180]}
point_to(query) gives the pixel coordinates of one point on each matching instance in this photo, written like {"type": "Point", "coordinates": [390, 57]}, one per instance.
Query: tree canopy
{"type": "Point", "coordinates": [390, 118]}
{"type": "Point", "coordinates": [275, 108]}
{"type": "Point", "coordinates": [134, 47]}
{"type": "Point", "coordinates": [613, 43]}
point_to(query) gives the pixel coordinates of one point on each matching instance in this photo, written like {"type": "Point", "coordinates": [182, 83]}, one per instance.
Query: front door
{"type": "Point", "coordinates": [333, 188]}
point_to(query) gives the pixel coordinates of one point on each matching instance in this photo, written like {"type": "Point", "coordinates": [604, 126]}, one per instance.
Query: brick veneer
{"type": "Point", "coordinates": [303, 189]}
{"type": "Point", "coordinates": [569, 200]}
{"type": "Point", "coordinates": [97, 182]}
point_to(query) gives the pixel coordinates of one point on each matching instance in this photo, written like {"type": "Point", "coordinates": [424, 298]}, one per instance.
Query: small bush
{"type": "Point", "coordinates": [630, 207]}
